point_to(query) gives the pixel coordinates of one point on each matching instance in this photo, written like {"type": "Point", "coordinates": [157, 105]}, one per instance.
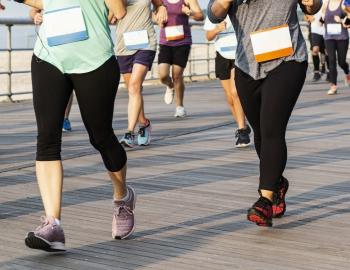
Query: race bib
{"type": "Point", "coordinates": [334, 28]}
{"type": "Point", "coordinates": [64, 26]}
{"type": "Point", "coordinates": [174, 32]}
{"type": "Point", "coordinates": [226, 42]}
{"type": "Point", "coordinates": [272, 43]}
{"type": "Point", "coordinates": [136, 40]}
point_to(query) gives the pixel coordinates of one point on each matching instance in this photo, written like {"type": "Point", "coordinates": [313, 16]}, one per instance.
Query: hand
{"type": "Point", "coordinates": [2, 7]}
{"type": "Point", "coordinates": [307, 3]}
{"type": "Point", "coordinates": [221, 27]}
{"type": "Point", "coordinates": [337, 19]}
{"type": "Point", "coordinates": [161, 16]}
{"type": "Point", "coordinates": [113, 20]}
{"type": "Point", "coordinates": [38, 19]}
{"type": "Point", "coordinates": [186, 10]}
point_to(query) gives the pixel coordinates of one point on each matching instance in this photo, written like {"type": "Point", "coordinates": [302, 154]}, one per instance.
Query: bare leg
{"type": "Point", "coordinates": [237, 104]}
{"type": "Point", "coordinates": [179, 84]}
{"type": "Point", "coordinates": [164, 75]}
{"type": "Point", "coordinates": [135, 106]}
{"type": "Point", "coordinates": [227, 85]}
{"type": "Point", "coordinates": [119, 183]}
{"type": "Point", "coordinates": [50, 181]}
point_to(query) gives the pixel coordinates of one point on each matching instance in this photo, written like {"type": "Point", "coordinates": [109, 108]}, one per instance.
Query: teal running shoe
{"type": "Point", "coordinates": [128, 140]}
{"type": "Point", "coordinates": [144, 136]}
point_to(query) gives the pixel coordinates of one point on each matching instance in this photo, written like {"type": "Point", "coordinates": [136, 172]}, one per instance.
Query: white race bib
{"type": "Point", "coordinates": [334, 28]}
{"type": "Point", "coordinates": [272, 43]}
{"type": "Point", "coordinates": [175, 32]}
{"type": "Point", "coordinates": [64, 26]}
{"type": "Point", "coordinates": [226, 44]}
{"type": "Point", "coordinates": [136, 40]}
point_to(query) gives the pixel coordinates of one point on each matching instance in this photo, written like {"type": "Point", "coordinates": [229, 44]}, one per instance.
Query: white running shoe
{"type": "Point", "coordinates": [332, 90]}
{"type": "Point", "coordinates": [169, 95]}
{"type": "Point", "coordinates": [180, 112]}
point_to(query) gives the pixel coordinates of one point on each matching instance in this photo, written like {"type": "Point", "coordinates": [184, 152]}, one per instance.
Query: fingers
{"type": "Point", "coordinates": [2, 7]}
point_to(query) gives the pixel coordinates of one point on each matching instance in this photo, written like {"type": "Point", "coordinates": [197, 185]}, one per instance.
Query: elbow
{"type": "Point", "coordinates": [200, 18]}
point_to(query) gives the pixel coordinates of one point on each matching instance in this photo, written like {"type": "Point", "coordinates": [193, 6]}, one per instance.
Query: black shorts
{"type": "Point", "coordinates": [223, 67]}
{"type": "Point", "coordinates": [317, 40]}
{"type": "Point", "coordinates": [174, 55]}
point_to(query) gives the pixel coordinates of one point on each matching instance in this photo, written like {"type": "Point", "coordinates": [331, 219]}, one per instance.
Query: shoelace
{"type": "Point", "coordinates": [120, 213]}
{"type": "Point", "coordinates": [44, 222]}
{"type": "Point", "coordinates": [142, 131]}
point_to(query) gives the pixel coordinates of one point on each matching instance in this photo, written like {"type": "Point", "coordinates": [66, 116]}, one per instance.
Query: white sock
{"type": "Point", "coordinates": [57, 221]}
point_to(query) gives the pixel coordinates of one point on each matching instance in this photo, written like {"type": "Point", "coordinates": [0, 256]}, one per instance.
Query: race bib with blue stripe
{"type": "Point", "coordinates": [63, 26]}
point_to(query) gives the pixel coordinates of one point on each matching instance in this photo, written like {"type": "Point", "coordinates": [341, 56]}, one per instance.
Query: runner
{"type": "Point", "coordinates": [37, 17]}
{"type": "Point", "coordinates": [317, 44]}
{"type": "Point", "coordinates": [337, 42]}
{"type": "Point", "coordinates": [225, 45]}
{"type": "Point", "coordinates": [136, 48]}
{"type": "Point", "coordinates": [174, 49]}
{"type": "Point", "coordinates": [271, 65]}
{"type": "Point", "coordinates": [82, 59]}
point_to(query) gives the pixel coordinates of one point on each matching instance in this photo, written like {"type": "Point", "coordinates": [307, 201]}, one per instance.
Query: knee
{"type": "Point", "coordinates": [163, 78]}
{"type": "Point", "coordinates": [178, 78]}
{"type": "Point", "coordinates": [134, 89]}
{"type": "Point", "coordinates": [49, 146]}
{"type": "Point", "coordinates": [315, 51]}
{"type": "Point", "coordinates": [113, 154]}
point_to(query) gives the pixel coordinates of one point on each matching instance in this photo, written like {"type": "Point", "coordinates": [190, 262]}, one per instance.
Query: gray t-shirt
{"type": "Point", "coordinates": [138, 17]}
{"type": "Point", "coordinates": [253, 15]}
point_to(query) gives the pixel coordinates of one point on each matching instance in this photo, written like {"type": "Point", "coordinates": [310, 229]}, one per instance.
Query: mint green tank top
{"type": "Point", "coordinates": [81, 56]}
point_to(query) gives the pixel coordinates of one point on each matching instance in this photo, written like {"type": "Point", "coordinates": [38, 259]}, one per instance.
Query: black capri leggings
{"type": "Point", "coordinates": [95, 91]}
{"type": "Point", "coordinates": [337, 48]}
{"type": "Point", "coordinates": [268, 104]}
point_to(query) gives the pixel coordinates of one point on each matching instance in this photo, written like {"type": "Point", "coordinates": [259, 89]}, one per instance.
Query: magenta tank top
{"type": "Point", "coordinates": [176, 18]}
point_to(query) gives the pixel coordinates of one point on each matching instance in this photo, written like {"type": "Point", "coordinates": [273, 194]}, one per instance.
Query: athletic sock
{"type": "Point", "coordinates": [57, 221]}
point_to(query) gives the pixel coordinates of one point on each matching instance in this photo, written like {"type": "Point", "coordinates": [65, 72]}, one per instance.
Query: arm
{"type": "Point", "coordinates": [36, 15]}
{"type": "Point", "coordinates": [218, 9]}
{"type": "Point", "coordinates": [211, 34]}
{"type": "Point", "coordinates": [192, 9]}
{"type": "Point", "coordinates": [160, 12]}
{"type": "Point", "coordinates": [32, 3]}
{"type": "Point", "coordinates": [310, 7]}
{"type": "Point", "coordinates": [117, 7]}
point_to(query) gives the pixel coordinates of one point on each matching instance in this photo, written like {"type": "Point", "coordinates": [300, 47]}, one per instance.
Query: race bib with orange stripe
{"type": "Point", "coordinates": [175, 32]}
{"type": "Point", "coordinates": [272, 43]}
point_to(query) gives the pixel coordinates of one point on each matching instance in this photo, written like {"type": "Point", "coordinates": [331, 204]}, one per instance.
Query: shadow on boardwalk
{"type": "Point", "coordinates": [194, 189]}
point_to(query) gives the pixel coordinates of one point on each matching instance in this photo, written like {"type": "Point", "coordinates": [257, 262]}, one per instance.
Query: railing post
{"type": "Point", "coordinates": [9, 69]}
{"type": "Point", "coordinates": [208, 60]}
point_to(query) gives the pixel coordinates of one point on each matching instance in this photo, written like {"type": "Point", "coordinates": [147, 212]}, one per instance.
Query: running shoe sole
{"type": "Point", "coordinates": [243, 145]}
{"type": "Point", "coordinates": [36, 242]}
{"type": "Point", "coordinates": [126, 144]}
{"type": "Point", "coordinates": [133, 229]}
{"type": "Point", "coordinates": [284, 199]}
{"type": "Point", "coordinates": [257, 218]}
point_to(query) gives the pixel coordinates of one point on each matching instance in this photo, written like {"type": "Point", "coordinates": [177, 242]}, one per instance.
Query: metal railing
{"type": "Point", "coordinates": [190, 71]}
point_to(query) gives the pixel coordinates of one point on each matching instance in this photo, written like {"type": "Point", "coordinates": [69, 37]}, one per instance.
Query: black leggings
{"type": "Point", "coordinates": [337, 48]}
{"type": "Point", "coordinates": [268, 104]}
{"type": "Point", "coordinates": [95, 91]}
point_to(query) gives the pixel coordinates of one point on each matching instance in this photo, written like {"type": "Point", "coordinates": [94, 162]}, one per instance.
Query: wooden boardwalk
{"type": "Point", "coordinates": [193, 190]}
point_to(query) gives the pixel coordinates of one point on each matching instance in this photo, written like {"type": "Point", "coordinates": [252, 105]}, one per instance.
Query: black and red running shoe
{"type": "Point", "coordinates": [261, 212]}
{"type": "Point", "coordinates": [279, 203]}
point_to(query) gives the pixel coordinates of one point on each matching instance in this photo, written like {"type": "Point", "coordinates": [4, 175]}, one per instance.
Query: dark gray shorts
{"type": "Point", "coordinates": [143, 57]}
